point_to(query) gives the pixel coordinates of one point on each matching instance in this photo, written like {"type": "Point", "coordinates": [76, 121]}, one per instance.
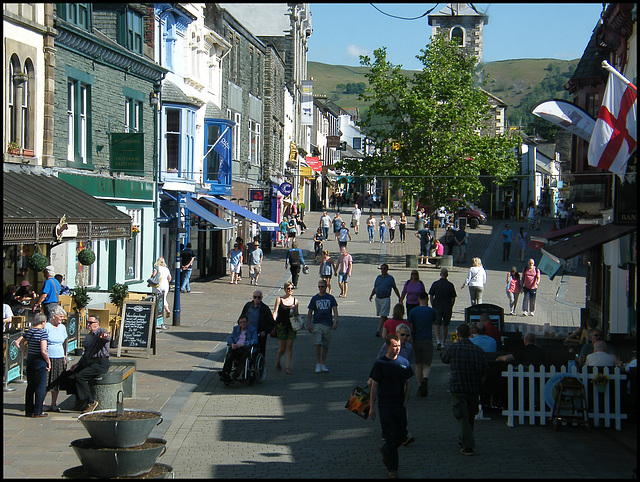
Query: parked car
{"type": "Point", "coordinates": [475, 217]}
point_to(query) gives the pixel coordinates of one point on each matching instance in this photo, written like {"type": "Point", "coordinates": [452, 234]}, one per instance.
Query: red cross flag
{"type": "Point", "coordinates": [615, 134]}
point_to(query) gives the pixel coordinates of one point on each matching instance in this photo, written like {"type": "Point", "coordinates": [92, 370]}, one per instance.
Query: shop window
{"type": "Point", "coordinates": [133, 246]}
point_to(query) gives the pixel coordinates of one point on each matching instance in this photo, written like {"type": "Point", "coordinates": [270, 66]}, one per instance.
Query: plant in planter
{"type": "Point", "coordinates": [118, 293]}
{"type": "Point", "coordinates": [86, 257]}
{"type": "Point", "coordinates": [13, 148]}
{"type": "Point", "coordinates": [81, 298]}
{"type": "Point", "coordinates": [38, 262]}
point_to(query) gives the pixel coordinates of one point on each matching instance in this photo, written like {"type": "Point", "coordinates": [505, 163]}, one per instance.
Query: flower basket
{"type": "Point", "coordinates": [86, 257]}
{"type": "Point", "coordinates": [601, 382]}
{"type": "Point", "coordinates": [135, 231]}
{"type": "Point", "coordinates": [38, 262]}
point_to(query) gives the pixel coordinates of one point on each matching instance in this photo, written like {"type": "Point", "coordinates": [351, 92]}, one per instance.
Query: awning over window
{"type": "Point", "coordinates": [587, 240]}
{"type": "Point", "coordinates": [538, 242]}
{"type": "Point", "coordinates": [34, 202]}
{"type": "Point", "coordinates": [264, 223]}
{"type": "Point", "coordinates": [198, 210]}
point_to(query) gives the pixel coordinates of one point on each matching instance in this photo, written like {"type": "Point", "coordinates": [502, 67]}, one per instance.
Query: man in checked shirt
{"type": "Point", "coordinates": [468, 371]}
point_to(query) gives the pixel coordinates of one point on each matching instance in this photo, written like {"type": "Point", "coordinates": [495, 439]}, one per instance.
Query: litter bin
{"type": "Point", "coordinates": [105, 390]}
{"type": "Point", "coordinates": [446, 261]}
{"type": "Point", "coordinates": [412, 261]}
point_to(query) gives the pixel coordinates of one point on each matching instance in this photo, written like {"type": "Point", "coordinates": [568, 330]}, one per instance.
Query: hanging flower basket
{"type": "Point", "coordinates": [601, 381]}
{"type": "Point", "coordinates": [38, 262]}
{"type": "Point", "coordinates": [86, 257]}
{"type": "Point", "coordinates": [135, 231]}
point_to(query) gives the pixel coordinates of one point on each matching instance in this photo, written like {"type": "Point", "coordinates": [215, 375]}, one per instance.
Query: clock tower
{"type": "Point", "coordinates": [462, 23]}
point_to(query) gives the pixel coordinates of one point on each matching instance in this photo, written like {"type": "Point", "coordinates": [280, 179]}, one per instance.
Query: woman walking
{"type": "Point", "coordinates": [402, 223]}
{"type": "Point", "coordinates": [476, 279]}
{"type": "Point", "coordinates": [57, 350]}
{"type": "Point", "coordinates": [412, 288]}
{"type": "Point", "coordinates": [383, 228]}
{"type": "Point", "coordinates": [513, 289]}
{"type": "Point", "coordinates": [285, 309]}
{"type": "Point", "coordinates": [162, 289]}
{"type": "Point", "coordinates": [530, 281]}
{"type": "Point", "coordinates": [371, 227]}
{"type": "Point", "coordinates": [38, 364]}
{"type": "Point", "coordinates": [327, 269]}
{"type": "Point", "coordinates": [521, 243]}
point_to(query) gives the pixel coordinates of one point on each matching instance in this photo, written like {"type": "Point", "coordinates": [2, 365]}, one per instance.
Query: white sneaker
{"type": "Point", "coordinates": [324, 368]}
{"type": "Point", "coordinates": [533, 313]}
{"type": "Point", "coordinates": [525, 314]}
{"type": "Point", "coordinates": [318, 368]}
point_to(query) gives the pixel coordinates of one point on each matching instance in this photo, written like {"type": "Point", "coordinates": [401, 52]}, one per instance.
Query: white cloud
{"type": "Point", "coordinates": [355, 51]}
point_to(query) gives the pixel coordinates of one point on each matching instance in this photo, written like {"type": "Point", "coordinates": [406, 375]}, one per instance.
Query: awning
{"type": "Point", "coordinates": [34, 202]}
{"type": "Point", "coordinates": [264, 223]}
{"type": "Point", "coordinates": [538, 242]}
{"type": "Point", "coordinates": [587, 240]}
{"type": "Point", "coordinates": [198, 210]}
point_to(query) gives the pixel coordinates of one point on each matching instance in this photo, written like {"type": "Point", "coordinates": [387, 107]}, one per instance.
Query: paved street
{"type": "Point", "coordinates": [296, 426]}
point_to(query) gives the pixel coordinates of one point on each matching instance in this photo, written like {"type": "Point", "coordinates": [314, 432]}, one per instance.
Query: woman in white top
{"type": "Point", "coordinates": [163, 288]}
{"type": "Point", "coordinates": [476, 279]}
{"type": "Point", "coordinates": [57, 350]}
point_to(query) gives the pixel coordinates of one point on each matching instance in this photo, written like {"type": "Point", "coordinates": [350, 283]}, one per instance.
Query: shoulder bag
{"type": "Point", "coordinates": [154, 281]}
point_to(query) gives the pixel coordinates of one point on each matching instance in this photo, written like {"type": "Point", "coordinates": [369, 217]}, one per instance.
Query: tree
{"type": "Point", "coordinates": [428, 128]}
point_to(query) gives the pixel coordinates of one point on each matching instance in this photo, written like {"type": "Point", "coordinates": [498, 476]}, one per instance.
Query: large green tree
{"type": "Point", "coordinates": [428, 128]}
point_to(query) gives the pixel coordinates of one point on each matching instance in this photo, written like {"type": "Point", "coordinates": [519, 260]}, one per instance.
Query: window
{"type": "Point", "coordinates": [132, 115]}
{"type": "Point", "coordinates": [213, 158]}
{"type": "Point", "coordinates": [13, 115]}
{"type": "Point", "coordinates": [78, 14]}
{"type": "Point", "coordinates": [78, 121]}
{"type": "Point", "coordinates": [130, 30]}
{"type": "Point", "coordinates": [254, 142]}
{"type": "Point", "coordinates": [169, 37]}
{"type": "Point", "coordinates": [173, 140]}
{"type": "Point", "coordinates": [457, 36]}
{"type": "Point", "coordinates": [236, 117]}
{"type": "Point", "coordinates": [86, 275]}
{"type": "Point", "coordinates": [132, 248]}
{"type": "Point", "coordinates": [592, 105]}
{"type": "Point", "coordinates": [357, 143]}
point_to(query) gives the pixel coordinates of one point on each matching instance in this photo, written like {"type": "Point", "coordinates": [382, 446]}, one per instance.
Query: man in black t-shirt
{"type": "Point", "coordinates": [442, 296]}
{"type": "Point", "coordinates": [187, 257]}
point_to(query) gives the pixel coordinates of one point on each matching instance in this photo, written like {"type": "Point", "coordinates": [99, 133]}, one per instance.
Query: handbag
{"type": "Point", "coordinates": [297, 323]}
{"type": "Point", "coordinates": [154, 281]}
{"type": "Point", "coordinates": [359, 402]}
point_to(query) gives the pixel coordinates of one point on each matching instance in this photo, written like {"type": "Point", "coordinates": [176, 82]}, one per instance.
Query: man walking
{"type": "Point", "coordinates": [319, 322]}
{"type": "Point", "coordinates": [355, 218]}
{"type": "Point", "coordinates": [345, 263]}
{"type": "Point", "coordinates": [260, 317]}
{"type": "Point", "coordinates": [421, 319]}
{"type": "Point", "coordinates": [425, 242]}
{"type": "Point", "coordinates": [507, 238]}
{"type": "Point", "coordinates": [255, 263]}
{"type": "Point", "coordinates": [382, 287]}
{"type": "Point", "coordinates": [469, 369]}
{"type": "Point", "coordinates": [325, 224]}
{"type": "Point", "coordinates": [50, 292]}
{"type": "Point", "coordinates": [187, 258]}
{"type": "Point", "coordinates": [343, 236]}
{"type": "Point", "coordinates": [443, 297]}
{"type": "Point", "coordinates": [391, 387]}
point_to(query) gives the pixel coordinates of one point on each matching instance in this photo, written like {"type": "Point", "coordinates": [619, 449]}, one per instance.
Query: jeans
{"type": "Point", "coordinates": [383, 231]}
{"type": "Point", "coordinates": [465, 408]}
{"type": "Point", "coordinates": [36, 385]}
{"type": "Point", "coordinates": [529, 300]}
{"type": "Point", "coordinates": [370, 232]}
{"type": "Point", "coordinates": [392, 234]}
{"type": "Point", "coordinates": [513, 301]}
{"type": "Point", "coordinates": [295, 274]}
{"type": "Point", "coordinates": [403, 229]}
{"type": "Point", "coordinates": [186, 275]}
{"type": "Point", "coordinates": [506, 250]}
{"type": "Point", "coordinates": [325, 232]}
{"type": "Point", "coordinates": [393, 420]}
{"type": "Point", "coordinates": [476, 294]}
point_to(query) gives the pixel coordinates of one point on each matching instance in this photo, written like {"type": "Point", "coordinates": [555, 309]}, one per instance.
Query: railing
{"type": "Point", "coordinates": [537, 405]}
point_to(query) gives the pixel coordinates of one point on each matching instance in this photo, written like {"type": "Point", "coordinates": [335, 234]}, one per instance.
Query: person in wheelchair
{"type": "Point", "coordinates": [242, 338]}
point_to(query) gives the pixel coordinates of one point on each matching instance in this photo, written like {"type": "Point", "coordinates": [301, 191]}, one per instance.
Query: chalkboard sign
{"type": "Point", "coordinates": [496, 314]}
{"type": "Point", "coordinates": [137, 326]}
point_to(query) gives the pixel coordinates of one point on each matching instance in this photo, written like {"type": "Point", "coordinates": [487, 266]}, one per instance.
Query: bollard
{"type": "Point", "coordinates": [446, 261]}
{"type": "Point", "coordinates": [105, 390]}
{"type": "Point", "coordinates": [412, 261]}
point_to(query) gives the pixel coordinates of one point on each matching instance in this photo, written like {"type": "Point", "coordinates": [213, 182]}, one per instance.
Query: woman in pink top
{"type": "Point", "coordinates": [389, 327]}
{"type": "Point", "coordinates": [530, 280]}
{"type": "Point", "coordinates": [412, 288]}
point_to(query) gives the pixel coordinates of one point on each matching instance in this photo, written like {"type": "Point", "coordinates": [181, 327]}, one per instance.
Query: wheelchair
{"type": "Point", "coordinates": [254, 369]}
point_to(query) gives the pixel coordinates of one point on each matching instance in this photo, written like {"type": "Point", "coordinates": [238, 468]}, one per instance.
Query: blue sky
{"type": "Point", "coordinates": [343, 31]}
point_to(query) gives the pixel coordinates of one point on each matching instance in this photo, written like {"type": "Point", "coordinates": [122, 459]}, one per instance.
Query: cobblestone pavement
{"type": "Point", "coordinates": [296, 426]}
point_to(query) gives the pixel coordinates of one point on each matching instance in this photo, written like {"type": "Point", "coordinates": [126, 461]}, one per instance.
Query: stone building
{"type": "Point", "coordinates": [462, 23]}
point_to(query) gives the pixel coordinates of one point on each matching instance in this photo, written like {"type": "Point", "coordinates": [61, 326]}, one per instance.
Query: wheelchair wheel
{"type": "Point", "coordinates": [259, 371]}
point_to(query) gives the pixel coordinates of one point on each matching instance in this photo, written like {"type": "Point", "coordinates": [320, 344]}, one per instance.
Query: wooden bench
{"type": "Point", "coordinates": [430, 260]}
{"type": "Point", "coordinates": [127, 367]}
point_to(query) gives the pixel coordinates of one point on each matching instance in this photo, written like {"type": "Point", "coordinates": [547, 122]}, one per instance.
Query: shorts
{"type": "Point", "coordinates": [254, 270]}
{"type": "Point", "coordinates": [343, 277]}
{"type": "Point", "coordinates": [423, 352]}
{"type": "Point", "coordinates": [442, 317]}
{"type": "Point", "coordinates": [321, 335]}
{"type": "Point", "coordinates": [355, 222]}
{"type": "Point", "coordinates": [234, 268]}
{"type": "Point", "coordinates": [383, 306]}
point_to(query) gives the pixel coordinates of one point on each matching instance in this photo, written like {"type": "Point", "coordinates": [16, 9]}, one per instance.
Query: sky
{"type": "Point", "coordinates": [344, 31]}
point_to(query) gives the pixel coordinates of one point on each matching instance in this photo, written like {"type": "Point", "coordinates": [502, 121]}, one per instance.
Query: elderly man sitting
{"type": "Point", "coordinates": [600, 357]}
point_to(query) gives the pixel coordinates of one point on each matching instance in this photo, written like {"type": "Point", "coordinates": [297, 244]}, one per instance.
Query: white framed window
{"type": "Point", "coordinates": [71, 121]}
{"type": "Point", "coordinates": [173, 139]}
{"type": "Point", "coordinates": [254, 142]}
{"type": "Point", "coordinates": [133, 247]}
{"type": "Point", "coordinates": [236, 117]}
{"type": "Point", "coordinates": [132, 115]}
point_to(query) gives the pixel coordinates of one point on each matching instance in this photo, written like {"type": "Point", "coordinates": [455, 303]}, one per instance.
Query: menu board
{"type": "Point", "coordinates": [496, 314]}
{"type": "Point", "coordinates": [137, 326]}
{"type": "Point", "coordinates": [73, 331]}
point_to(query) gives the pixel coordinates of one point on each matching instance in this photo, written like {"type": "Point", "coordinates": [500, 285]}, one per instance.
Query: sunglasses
{"type": "Point", "coordinates": [322, 286]}
{"type": "Point", "coordinates": [289, 288]}
{"type": "Point", "coordinates": [404, 334]}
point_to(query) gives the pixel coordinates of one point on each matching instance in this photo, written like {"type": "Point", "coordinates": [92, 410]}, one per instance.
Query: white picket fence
{"type": "Point", "coordinates": [537, 410]}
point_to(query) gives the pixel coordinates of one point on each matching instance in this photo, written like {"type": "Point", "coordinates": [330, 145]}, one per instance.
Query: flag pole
{"type": "Point", "coordinates": [607, 66]}
{"type": "Point", "coordinates": [215, 143]}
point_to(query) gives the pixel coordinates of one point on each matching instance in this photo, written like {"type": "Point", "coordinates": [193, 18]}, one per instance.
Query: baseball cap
{"type": "Point", "coordinates": [50, 269]}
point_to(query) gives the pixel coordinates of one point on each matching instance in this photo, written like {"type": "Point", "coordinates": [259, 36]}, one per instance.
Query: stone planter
{"type": "Point", "coordinates": [108, 429]}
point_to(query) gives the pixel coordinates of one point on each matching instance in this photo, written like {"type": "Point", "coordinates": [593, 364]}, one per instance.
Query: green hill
{"type": "Point", "coordinates": [519, 83]}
